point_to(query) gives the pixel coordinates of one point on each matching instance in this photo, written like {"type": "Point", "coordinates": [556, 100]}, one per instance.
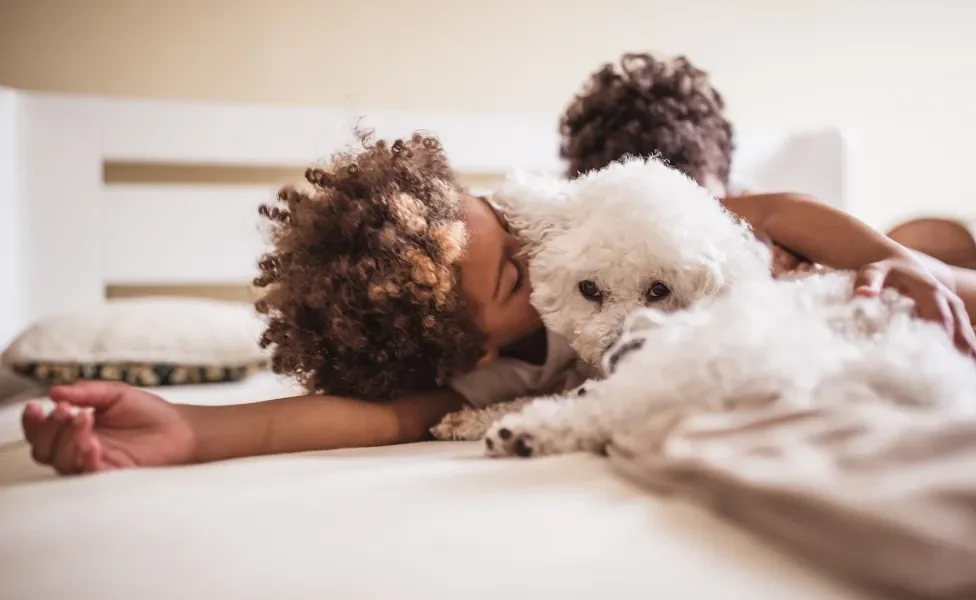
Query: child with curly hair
{"type": "Point", "coordinates": [394, 297]}
{"type": "Point", "coordinates": [646, 106]}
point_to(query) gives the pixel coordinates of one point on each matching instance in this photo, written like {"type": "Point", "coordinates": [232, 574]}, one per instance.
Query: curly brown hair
{"type": "Point", "coordinates": [361, 287]}
{"type": "Point", "coordinates": [648, 107]}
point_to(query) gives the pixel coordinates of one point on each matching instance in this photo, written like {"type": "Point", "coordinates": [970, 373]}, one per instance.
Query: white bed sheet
{"type": "Point", "coordinates": [427, 521]}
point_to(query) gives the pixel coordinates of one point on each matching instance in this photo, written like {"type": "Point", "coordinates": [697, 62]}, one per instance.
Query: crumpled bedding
{"type": "Point", "coordinates": [877, 495]}
{"type": "Point", "coordinates": [810, 502]}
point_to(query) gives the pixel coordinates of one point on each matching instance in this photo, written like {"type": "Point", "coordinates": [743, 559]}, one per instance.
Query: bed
{"type": "Point", "coordinates": [98, 190]}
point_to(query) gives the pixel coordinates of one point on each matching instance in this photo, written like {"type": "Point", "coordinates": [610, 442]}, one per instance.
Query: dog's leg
{"type": "Point", "coordinates": [470, 424]}
{"type": "Point", "coordinates": [580, 421]}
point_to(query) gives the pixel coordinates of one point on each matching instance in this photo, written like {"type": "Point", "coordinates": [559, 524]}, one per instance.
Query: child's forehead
{"type": "Point", "coordinates": [494, 208]}
{"type": "Point", "coordinates": [486, 198]}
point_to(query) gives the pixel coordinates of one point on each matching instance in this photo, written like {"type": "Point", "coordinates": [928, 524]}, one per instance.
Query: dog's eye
{"type": "Point", "coordinates": [590, 290]}
{"type": "Point", "coordinates": [658, 291]}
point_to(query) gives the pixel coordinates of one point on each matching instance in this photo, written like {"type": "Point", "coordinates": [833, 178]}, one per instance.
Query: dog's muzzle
{"type": "Point", "coordinates": [613, 358]}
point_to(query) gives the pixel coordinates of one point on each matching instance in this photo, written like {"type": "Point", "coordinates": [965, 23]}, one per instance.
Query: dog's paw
{"type": "Point", "coordinates": [448, 427]}
{"type": "Point", "coordinates": [548, 426]}
{"type": "Point", "coordinates": [509, 438]}
{"type": "Point", "coordinates": [452, 427]}
{"type": "Point", "coordinates": [465, 425]}
{"type": "Point", "coordinates": [531, 433]}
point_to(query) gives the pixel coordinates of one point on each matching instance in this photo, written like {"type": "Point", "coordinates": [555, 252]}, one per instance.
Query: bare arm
{"type": "Point", "coordinates": [814, 230]}
{"type": "Point", "coordinates": [120, 426]}
{"type": "Point", "coordinates": [834, 238]}
{"type": "Point", "coordinates": [313, 423]}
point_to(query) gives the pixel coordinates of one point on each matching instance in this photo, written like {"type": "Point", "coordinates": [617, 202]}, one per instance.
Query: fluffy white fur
{"type": "Point", "coordinates": [727, 336]}
{"type": "Point", "coordinates": [624, 228]}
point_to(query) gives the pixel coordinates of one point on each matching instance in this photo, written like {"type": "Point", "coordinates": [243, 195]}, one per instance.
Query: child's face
{"type": "Point", "coordinates": [495, 279]}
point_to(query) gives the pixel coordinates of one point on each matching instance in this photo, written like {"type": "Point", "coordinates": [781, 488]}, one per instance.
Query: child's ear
{"type": "Point", "coordinates": [488, 356]}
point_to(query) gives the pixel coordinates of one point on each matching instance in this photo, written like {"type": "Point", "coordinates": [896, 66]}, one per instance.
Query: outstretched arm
{"type": "Point", "coordinates": [309, 423]}
{"type": "Point", "coordinates": [102, 425]}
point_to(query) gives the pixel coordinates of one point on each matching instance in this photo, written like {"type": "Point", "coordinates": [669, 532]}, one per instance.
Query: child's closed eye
{"type": "Point", "coordinates": [518, 278]}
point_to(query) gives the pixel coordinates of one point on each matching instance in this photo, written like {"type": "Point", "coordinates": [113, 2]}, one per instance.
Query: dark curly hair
{"type": "Point", "coordinates": [360, 289]}
{"type": "Point", "coordinates": [648, 107]}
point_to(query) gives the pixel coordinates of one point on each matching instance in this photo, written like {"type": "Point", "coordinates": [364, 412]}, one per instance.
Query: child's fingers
{"type": "Point", "coordinates": [931, 302]}
{"type": "Point", "coordinates": [91, 456]}
{"type": "Point", "coordinates": [72, 450]}
{"type": "Point", "coordinates": [61, 439]}
{"type": "Point", "coordinates": [965, 337]}
{"type": "Point", "coordinates": [82, 436]}
{"type": "Point", "coordinates": [870, 280]}
{"type": "Point", "coordinates": [64, 450]}
{"type": "Point", "coordinates": [937, 310]}
{"type": "Point", "coordinates": [93, 394]}
{"type": "Point", "coordinates": [88, 450]}
{"type": "Point", "coordinates": [31, 419]}
{"type": "Point", "coordinates": [44, 436]}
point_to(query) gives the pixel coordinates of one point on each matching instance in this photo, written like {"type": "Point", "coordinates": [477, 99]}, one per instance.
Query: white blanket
{"type": "Point", "coordinates": [426, 521]}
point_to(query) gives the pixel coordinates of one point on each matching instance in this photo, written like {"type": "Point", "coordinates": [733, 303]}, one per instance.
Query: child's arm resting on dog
{"type": "Point", "coordinates": [121, 426]}
{"type": "Point", "coordinates": [814, 230]}
{"type": "Point", "coordinates": [834, 238]}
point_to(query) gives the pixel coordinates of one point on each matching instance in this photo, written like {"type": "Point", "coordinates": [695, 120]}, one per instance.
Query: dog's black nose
{"type": "Point", "coordinates": [614, 338]}
{"type": "Point", "coordinates": [624, 349]}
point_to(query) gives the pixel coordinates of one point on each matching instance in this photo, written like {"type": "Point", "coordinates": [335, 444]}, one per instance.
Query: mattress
{"type": "Point", "coordinates": [432, 521]}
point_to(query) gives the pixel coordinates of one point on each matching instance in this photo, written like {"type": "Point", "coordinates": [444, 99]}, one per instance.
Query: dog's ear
{"type": "Point", "coordinates": [709, 278]}
{"type": "Point", "coordinates": [534, 204]}
{"type": "Point", "coordinates": [745, 260]}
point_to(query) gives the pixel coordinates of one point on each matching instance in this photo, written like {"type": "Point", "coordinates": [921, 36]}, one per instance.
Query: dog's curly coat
{"type": "Point", "coordinates": [726, 334]}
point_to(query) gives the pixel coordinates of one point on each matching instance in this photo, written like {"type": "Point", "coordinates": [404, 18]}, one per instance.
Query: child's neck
{"type": "Point", "coordinates": [532, 349]}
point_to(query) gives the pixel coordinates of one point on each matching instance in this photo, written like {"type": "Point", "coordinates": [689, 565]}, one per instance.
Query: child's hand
{"type": "Point", "coordinates": [933, 300]}
{"type": "Point", "coordinates": [125, 427]}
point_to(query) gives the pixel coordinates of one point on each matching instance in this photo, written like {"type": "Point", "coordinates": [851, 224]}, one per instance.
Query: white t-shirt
{"type": "Point", "coordinates": [509, 378]}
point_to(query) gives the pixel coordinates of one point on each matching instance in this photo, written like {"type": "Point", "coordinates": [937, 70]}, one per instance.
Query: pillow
{"type": "Point", "coordinates": [143, 341]}
{"type": "Point", "coordinates": [14, 387]}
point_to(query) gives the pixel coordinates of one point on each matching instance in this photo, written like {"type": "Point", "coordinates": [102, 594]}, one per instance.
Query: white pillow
{"type": "Point", "coordinates": [178, 340]}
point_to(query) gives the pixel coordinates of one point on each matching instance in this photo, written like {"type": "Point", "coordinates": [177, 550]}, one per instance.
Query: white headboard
{"type": "Point", "coordinates": [66, 234]}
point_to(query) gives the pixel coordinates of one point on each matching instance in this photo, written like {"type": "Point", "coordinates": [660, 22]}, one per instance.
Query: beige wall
{"type": "Point", "coordinates": [900, 73]}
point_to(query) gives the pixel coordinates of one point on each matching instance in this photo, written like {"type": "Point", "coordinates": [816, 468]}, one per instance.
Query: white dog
{"type": "Point", "coordinates": [650, 278]}
{"type": "Point", "coordinates": [634, 234]}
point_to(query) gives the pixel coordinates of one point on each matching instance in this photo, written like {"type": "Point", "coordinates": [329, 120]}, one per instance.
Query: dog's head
{"type": "Point", "coordinates": [634, 234]}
